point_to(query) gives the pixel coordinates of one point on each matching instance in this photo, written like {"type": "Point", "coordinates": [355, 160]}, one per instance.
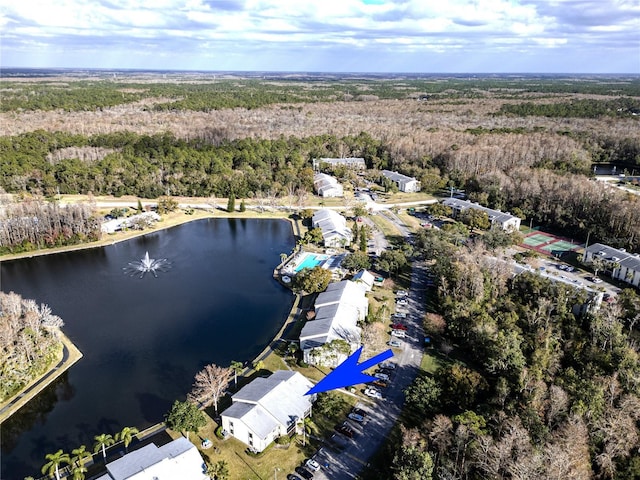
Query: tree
{"type": "Point", "coordinates": [237, 367]}
{"type": "Point", "coordinates": [355, 232]}
{"type": "Point", "coordinates": [126, 435]}
{"type": "Point", "coordinates": [313, 236]}
{"type": "Point", "coordinates": [231, 204]}
{"type": "Point", "coordinates": [211, 383]}
{"type": "Point", "coordinates": [54, 462]}
{"type": "Point", "coordinates": [103, 441]}
{"type": "Point", "coordinates": [391, 261]}
{"type": "Point", "coordinates": [356, 261]}
{"type": "Point", "coordinates": [78, 471]}
{"type": "Point", "coordinates": [476, 218]}
{"type": "Point", "coordinates": [423, 395]}
{"type": "Point", "coordinates": [363, 239]}
{"type": "Point", "coordinates": [218, 470]}
{"type": "Point", "coordinates": [166, 204]}
{"type": "Point", "coordinates": [243, 207]}
{"type": "Point", "coordinates": [185, 417]}
{"type": "Point", "coordinates": [79, 455]}
{"type": "Point", "coordinates": [412, 463]}
{"type": "Point", "coordinates": [359, 210]}
{"type": "Point", "coordinates": [312, 280]}
{"type": "Point", "coordinates": [139, 208]}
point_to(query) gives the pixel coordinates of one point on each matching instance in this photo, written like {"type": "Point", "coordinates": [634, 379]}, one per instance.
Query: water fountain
{"type": "Point", "coordinates": [147, 265]}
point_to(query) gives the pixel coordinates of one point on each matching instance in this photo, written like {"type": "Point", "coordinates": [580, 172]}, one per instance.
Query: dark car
{"type": "Point", "coordinates": [399, 326]}
{"type": "Point", "coordinates": [291, 476]}
{"type": "Point", "coordinates": [380, 383]}
{"type": "Point", "coordinates": [346, 431]}
{"type": "Point", "coordinates": [304, 473]}
{"type": "Point", "coordinates": [359, 411]}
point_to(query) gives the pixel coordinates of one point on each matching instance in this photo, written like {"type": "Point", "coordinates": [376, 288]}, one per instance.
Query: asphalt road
{"type": "Point", "coordinates": [344, 458]}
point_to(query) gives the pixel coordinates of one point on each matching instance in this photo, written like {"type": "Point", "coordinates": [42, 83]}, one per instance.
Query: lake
{"type": "Point", "coordinates": [143, 339]}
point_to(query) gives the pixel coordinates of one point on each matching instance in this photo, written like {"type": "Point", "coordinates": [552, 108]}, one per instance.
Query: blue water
{"type": "Point", "coordinates": [311, 261]}
{"type": "Point", "coordinates": [143, 339]}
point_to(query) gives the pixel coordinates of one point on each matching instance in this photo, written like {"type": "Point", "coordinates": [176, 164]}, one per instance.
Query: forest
{"type": "Point", "coordinates": [527, 387]}
{"type": "Point", "coordinates": [29, 341]}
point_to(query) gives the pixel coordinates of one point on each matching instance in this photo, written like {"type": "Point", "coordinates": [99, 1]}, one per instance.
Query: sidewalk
{"type": "Point", "coordinates": [70, 355]}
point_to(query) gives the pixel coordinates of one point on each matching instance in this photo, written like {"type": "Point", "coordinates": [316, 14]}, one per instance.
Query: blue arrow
{"type": "Point", "coordinates": [349, 372]}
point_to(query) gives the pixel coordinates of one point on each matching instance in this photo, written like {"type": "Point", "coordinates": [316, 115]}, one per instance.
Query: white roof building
{"type": "Point", "coordinates": [268, 408]}
{"type": "Point", "coordinates": [327, 186]}
{"type": "Point", "coordinates": [353, 163]}
{"type": "Point", "coordinates": [623, 265]}
{"type": "Point", "coordinates": [177, 459]}
{"type": "Point", "coordinates": [504, 220]}
{"type": "Point", "coordinates": [334, 227]}
{"type": "Point", "coordinates": [366, 278]}
{"type": "Point", "coordinates": [405, 183]}
{"type": "Point", "coordinates": [338, 311]}
{"type": "Point", "coordinates": [117, 224]}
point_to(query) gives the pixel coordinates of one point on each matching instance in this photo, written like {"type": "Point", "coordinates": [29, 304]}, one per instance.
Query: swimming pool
{"type": "Point", "coordinates": [311, 260]}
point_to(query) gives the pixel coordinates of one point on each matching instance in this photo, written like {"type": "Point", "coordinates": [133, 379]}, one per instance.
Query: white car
{"type": "Point", "coordinates": [401, 293]}
{"type": "Point", "coordinates": [381, 376]}
{"type": "Point", "coordinates": [398, 333]}
{"type": "Point", "coordinates": [395, 343]}
{"type": "Point", "coordinates": [312, 465]}
{"type": "Point", "coordinates": [399, 315]}
{"type": "Point", "coordinates": [388, 365]}
{"type": "Point", "coordinates": [401, 301]}
{"type": "Point", "coordinates": [373, 393]}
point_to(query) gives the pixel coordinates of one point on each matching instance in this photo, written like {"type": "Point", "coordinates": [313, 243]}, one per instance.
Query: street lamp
{"type": "Point", "coordinates": [275, 472]}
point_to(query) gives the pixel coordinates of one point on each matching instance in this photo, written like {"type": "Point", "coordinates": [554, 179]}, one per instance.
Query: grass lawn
{"type": "Point", "coordinates": [385, 226]}
{"type": "Point", "coordinates": [410, 221]}
{"type": "Point", "coordinates": [239, 463]}
{"type": "Point", "coordinates": [430, 363]}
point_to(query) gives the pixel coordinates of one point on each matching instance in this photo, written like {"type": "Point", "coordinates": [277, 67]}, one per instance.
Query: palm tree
{"type": "Point", "coordinates": [55, 460]}
{"type": "Point", "coordinates": [79, 455]}
{"type": "Point", "coordinates": [103, 441]}
{"type": "Point", "coordinates": [237, 368]}
{"type": "Point", "coordinates": [126, 435]}
{"type": "Point", "coordinates": [78, 472]}
{"type": "Point", "coordinates": [219, 470]}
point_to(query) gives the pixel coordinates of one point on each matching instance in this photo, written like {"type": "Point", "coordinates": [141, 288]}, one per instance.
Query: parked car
{"type": "Point", "coordinates": [401, 301]}
{"type": "Point", "coordinates": [395, 343]}
{"type": "Point", "coordinates": [355, 417]}
{"type": "Point", "coordinates": [595, 280]}
{"type": "Point", "coordinates": [398, 326]}
{"type": "Point", "coordinates": [399, 315]}
{"type": "Point", "coordinates": [312, 465]}
{"type": "Point", "coordinates": [388, 365]}
{"type": "Point", "coordinates": [373, 393]}
{"type": "Point", "coordinates": [304, 473]}
{"type": "Point", "coordinates": [345, 430]}
{"type": "Point", "coordinates": [398, 333]}
{"type": "Point", "coordinates": [381, 376]}
{"type": "Point", "coordinates": [291, 476]}
{"type": "Point", "coordinates": [359, 411]}
{"type": "Point", "coordinates": [401, 293]}
{"type": "Point", "coordinates": [380, 383]}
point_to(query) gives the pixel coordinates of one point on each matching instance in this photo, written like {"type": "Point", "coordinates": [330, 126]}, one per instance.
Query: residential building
{"type": "Point", "coordinates": [117, 224]}
{"type": "Point", "coordinates": [352, 163]}
{"type": "Point", "coordinates": [621, 264]}
{"type": "Point", "coordinates": [177, 459]}
{"type": "Point", "coordinates": [366, 278]}
{"type": "Point", "coordinates": [268, 408]}
{"type": "Point", "coordinates": [337, 313]}
{"type": "Point", "coordinates": [404, 183]}
{"type": "Point", "coordinates": [504, 220]}
{"type": "Point", "coordinates": [327, 186]}
{"type": "Point", "coordinates": [335, 232]}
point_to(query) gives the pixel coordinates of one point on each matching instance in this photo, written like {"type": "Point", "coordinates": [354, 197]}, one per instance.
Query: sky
{"type": "Point", "coordinates": [418, 36]}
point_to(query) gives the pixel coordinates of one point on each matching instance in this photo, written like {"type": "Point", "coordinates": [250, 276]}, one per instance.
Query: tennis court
{"type": "Point", "coordinates": [548, 244]}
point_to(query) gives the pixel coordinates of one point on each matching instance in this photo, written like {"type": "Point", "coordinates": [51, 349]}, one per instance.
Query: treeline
{"type": "Point", "coordinates": [571, 204]}
{"type": "Point", "coordinates": [583, 108]}
{"type": "Point", "coordinates": [527, 388]}
{"type": "Point", "coordinates": [207, 92]}
{"type": "Point", "coordinates": [33, 224]}
{"type": "Point", "coordinates": [28, 341]}
{"type": "Point", "coordinates": [150, 166]}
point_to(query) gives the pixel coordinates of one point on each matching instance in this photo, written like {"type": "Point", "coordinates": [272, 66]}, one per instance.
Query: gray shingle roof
{"type": "Point", "coordinates": [624, 258]}
{"type": "Point", "coordinates": [397, 177]}
{"type": "Point", "coordinates": [496, 215]}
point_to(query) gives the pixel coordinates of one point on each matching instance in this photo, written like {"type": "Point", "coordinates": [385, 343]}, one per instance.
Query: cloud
{"type": "Point", "coordinates": [291, 32]}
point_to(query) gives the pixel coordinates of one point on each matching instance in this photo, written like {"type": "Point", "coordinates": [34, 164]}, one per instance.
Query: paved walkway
{"type": "Point", "coordinates": [44, 381]}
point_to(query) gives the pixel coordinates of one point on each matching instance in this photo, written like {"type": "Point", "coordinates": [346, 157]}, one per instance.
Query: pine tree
{"type": "Point", "coordinates": [355, 231]}
{"type": "Point", "coordinates": [243, 207]}
{"type": "Point", "coordinates": [231, 206]}
{"type": "Point", "coordinates": [363, 239]}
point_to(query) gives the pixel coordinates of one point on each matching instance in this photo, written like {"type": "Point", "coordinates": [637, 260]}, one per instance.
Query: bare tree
{"type": "Point", "coordinates": [210, 384]}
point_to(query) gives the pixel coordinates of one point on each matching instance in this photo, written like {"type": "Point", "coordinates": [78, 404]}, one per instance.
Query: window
{"type": "Point", "coordinates": [251, 439]}
{"type": "Point", "coordinates": [231, 428]}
